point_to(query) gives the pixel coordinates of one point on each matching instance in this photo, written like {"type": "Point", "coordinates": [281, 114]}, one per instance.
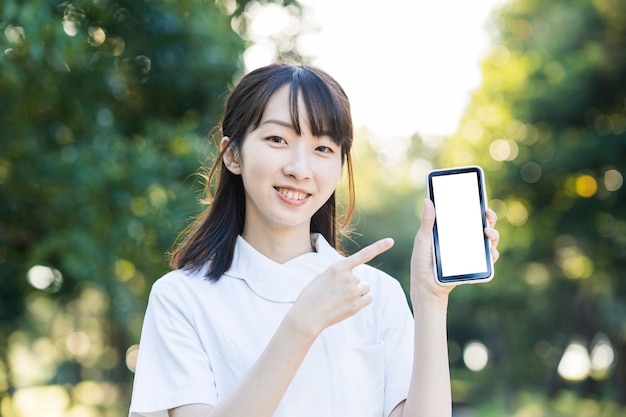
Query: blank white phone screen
{"type": "Point", "coordinates": [459, 224]}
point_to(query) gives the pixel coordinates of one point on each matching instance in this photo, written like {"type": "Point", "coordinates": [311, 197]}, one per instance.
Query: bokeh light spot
{"type": "Point", "coordinates": [14, 34]}
{"type": "Point", "coordinates": [574, 263]}
{"type": "Point", "coordinates": [575, 363]}
{"type": "Point", "coordinates": [45, 278]}
{"type": "Point", "coordinates": [78, 343]}
{"type": "Point", "coordinates": [554, 72]}
{"type": "Point", "coordinates": [521, 29]}
{"type": "Point", "coordinates": [531, 172]}
{"type": "Point", "coordinates": [586, 186]}
{"type": "Point", "coordinates": [475, 356]}
{"type": "Point", "coordinates": [536, 274]}
{"type": "Point", "coordinates": [472, 130]}
{"type": "Point", "coordinates": [613, 180]}
{"type": "Point", "coordinates": [517, 131]}
{"type": "Point", "coordinates": [139, 206]}
{"type": "Point", "coordinates": [124, 269]}
{"type": "Point", "coordinates": [516, 213]}
{"type": "Point", "coordinates": [503, 150]}
{"type": "Point", "coordinates": [603, 124]}
{"type": "Point", "coordinates": [97, 36]}
{"type": "Point", "coordinates": [90, 393]}
{"type": "Point", "coordinates": [49, 400]}
{"type": "Point", "coordinates": [131, 357]}
{"type": "Point", "coordinates": [418, 171]}
{"type": "Point", "coordinates": [157, 195]}
{"type": "Point", "coordinates": [118, 46]}
{"type": "Point", "coordinates": [69, 27]}
{"type": "Point", "coordinates": [499, 207]}
{"type": "Point", "coordinates": [606, 224]}
{"type": "Point", "coordinates": [602, 357]}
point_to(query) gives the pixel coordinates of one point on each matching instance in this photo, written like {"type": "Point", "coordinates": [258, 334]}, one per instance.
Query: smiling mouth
{"type": "Point", "coordinates": [291, 194]}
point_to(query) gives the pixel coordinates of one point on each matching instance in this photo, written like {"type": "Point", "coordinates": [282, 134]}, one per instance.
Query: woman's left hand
{"type": "Point", "coordinates": [423, 282]}
{"type": "Point", "coordinates": [492, 234]}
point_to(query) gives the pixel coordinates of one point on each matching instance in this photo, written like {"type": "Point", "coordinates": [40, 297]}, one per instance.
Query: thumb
{"type": "Point", "coordinates": [428, 219]}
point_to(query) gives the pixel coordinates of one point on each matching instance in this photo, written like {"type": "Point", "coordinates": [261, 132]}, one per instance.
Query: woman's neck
{"type": "Point", "coordinates": [280, 246]}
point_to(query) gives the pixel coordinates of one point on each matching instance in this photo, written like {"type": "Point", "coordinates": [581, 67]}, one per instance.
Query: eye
{"type": "Point", "coordinates": [325, 149]}
{"type": "Point", "coordinates": [276, 139]}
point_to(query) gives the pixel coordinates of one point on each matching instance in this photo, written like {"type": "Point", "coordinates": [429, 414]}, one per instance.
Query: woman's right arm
{"type": "Point", "coordinates": [260, 392]}
{"type": "Point", "coordinates": [329, 298]}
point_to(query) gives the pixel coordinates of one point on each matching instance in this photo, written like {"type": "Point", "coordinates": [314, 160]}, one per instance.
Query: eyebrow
{"type": "Point", "coordinates": [280, 123]}
{"type": "Point", "coordinates": [288, 125]}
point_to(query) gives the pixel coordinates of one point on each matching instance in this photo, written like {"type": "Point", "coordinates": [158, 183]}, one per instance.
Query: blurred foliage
{"type": "Point", "coordinates": [548, 125]}
{"type": "Point", "coordinates": [104, 109]}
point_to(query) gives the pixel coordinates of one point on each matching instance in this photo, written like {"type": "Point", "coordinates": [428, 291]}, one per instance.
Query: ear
{"type": "Point", "coordinates": [230, 156]}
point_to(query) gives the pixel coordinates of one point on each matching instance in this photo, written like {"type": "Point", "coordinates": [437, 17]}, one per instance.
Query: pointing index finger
{"type": "Point", "coordinates": [368, 253]}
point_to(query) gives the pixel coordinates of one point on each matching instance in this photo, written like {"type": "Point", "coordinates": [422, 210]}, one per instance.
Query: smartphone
{"type": "Point", "coordinates": [460, 249]}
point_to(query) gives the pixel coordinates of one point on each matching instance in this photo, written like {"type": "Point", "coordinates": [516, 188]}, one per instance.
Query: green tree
{"type": "Point", "coordinates": [104, 109]}
{"type": "Point", "coordinates": [548, 125]}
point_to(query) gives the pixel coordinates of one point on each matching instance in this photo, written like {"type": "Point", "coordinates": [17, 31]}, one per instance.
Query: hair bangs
{"type": "Point", "coordinates": [326, 105]}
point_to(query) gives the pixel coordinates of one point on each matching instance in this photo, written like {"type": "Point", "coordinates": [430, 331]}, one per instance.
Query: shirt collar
{"type": "Point", "coordinates": [278, 282]}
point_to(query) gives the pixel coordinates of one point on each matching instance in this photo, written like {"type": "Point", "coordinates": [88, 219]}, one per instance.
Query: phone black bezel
{"type": "Point", "coordinates": [464, 278]}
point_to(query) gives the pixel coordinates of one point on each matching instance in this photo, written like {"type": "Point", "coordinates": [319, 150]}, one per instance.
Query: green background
{"type": "Point", "coordinates": [105, 109]}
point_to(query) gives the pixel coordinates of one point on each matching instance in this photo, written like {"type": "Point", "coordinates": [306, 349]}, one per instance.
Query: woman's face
{"type": "Point", "coordinates": [287, 177]}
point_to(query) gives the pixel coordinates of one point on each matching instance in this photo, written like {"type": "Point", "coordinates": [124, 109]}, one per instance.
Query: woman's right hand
{"type": "Point", "coordinates": [337, 293]}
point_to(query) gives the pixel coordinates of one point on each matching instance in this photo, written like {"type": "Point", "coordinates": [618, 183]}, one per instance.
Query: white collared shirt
{"type": "Point", "coordinates": [199, 339]}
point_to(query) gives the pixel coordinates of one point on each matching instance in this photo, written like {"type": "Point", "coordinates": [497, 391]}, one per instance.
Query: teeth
{"type": "Point", "coordinates": [292, 195]}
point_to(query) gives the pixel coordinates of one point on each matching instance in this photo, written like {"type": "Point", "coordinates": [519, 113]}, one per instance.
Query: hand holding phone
{"type": "Point", "coordinates": [460, 247]}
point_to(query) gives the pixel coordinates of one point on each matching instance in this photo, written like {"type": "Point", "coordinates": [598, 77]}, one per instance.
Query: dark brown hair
{"type": "Point", "coordinates": [210, 240]}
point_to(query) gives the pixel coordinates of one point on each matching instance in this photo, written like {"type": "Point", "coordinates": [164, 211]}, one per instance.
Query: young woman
{"type": "Point", "coordinates": [261, 316]}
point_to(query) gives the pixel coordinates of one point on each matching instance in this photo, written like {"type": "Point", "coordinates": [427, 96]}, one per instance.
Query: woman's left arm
{"type": "Point", "coordinates": [429, 391]}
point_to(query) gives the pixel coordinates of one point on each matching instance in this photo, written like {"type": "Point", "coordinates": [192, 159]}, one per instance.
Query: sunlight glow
{"type": "Point", "coordinates": [271, 20]}
{"type": "Point", "coordinates": [407, 66]}
{"type": "Point", "coordinates": [259, 54]}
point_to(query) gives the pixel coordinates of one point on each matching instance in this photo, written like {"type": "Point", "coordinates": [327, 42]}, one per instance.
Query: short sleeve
{"type": "Point", "coordinates": [173, 369]}
{"type": "Point", "coordinates": [397, 334]}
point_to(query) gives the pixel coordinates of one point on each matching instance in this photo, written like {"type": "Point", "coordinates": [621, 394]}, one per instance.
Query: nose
{"type": "Point", "coordinates": [298, 164]}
